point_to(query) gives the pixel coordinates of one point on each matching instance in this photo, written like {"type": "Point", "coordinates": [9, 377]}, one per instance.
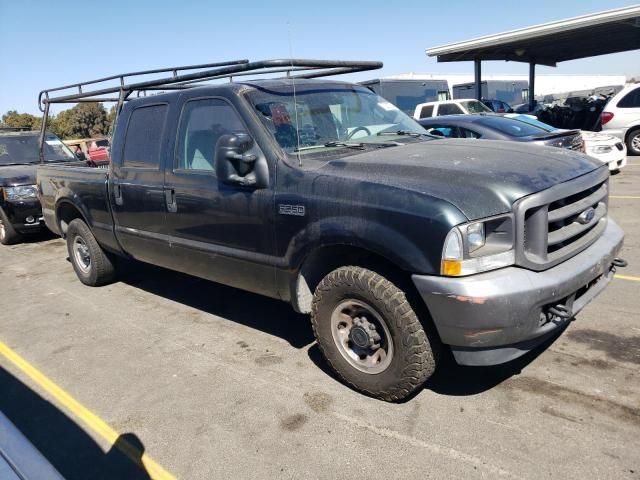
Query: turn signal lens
{"type": "Point", "coordinates": [451, 268]}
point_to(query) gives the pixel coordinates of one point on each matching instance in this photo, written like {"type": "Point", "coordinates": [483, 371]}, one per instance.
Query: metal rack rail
{"type": "Point", "coordinates": [185, 77]}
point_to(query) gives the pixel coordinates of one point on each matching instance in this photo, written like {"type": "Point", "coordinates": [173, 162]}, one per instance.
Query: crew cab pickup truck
{"type": "Point", "coordinates": [324, 195]}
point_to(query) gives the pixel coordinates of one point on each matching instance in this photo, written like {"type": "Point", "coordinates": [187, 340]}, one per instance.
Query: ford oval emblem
{"type": "Point", "coordinates": [586, 216]}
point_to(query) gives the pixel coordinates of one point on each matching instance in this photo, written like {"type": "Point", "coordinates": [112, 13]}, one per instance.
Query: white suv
{"type": "Point", "coordinates": [621, 117]}
{"type": "Point", "coordinates": [449, 107]}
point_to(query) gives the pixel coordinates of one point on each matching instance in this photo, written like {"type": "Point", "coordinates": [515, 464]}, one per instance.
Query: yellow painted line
{"type": "Point", "coordinates": [628, 277]}
{"type": "Point", "coordinates": [94, 422]}
{"type": "Point", "coordinates": [625, 196]}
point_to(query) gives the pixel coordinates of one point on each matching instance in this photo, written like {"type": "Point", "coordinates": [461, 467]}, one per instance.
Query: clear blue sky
{"type": "Point", "coordinates": [49, 43]}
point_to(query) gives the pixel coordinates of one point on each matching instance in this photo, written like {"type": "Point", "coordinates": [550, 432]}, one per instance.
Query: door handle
{"type": "Point", "coordinates": [117, 193]}
{"type": "Point", "coordinates": [170, 198]}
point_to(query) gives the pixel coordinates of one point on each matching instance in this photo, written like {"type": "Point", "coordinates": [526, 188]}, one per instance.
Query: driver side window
{"type": "Point", "coordinates": [202, 123]}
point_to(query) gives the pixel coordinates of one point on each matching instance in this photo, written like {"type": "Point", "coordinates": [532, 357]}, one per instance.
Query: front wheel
{"type": "Point", "coordinates": [92, 264]}
{"type": "Point", "coordinates": [370, 335]}
{"type": "Point", "coordinates": [633, 142]}
{"type": "Point", "coordinates": [8, 234]}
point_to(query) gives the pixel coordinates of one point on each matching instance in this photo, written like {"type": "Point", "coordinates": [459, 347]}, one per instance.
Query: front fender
{"type": "Point", "coordinates": [365, 234]}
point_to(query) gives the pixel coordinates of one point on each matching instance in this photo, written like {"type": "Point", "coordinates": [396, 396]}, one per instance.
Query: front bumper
{"type": "Point", "coordinates": [615, 159]}
{"type": "Point", "coordinates": [20, 212]}
{"type": "Point", "coordinates": [495, 317]}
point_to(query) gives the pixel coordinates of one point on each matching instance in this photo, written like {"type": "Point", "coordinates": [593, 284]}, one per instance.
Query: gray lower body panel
{"type": "Point", "coordinates": [494, 317]}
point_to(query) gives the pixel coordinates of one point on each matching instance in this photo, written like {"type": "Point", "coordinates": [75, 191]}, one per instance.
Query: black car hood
{"type": "Point", "coordinates": [11, 175]}
{"type": "Point", "coordinates": [480, 178]}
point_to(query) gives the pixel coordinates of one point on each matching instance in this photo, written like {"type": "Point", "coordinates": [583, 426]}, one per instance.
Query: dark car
{"type": "Point", "coordinates": [498, 106]}
{"type": "Point", "coordinates": [496, 127]}
{"type": "Point", "coordinates": [20, 211]}
{"type": "Point", "coordinates": [324, 195]}
{"type": "Point", "coordinates": [19, 458]}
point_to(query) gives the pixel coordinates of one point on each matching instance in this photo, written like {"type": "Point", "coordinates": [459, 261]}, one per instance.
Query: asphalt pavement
{"type": "Point", "coordinates": [212, 382]}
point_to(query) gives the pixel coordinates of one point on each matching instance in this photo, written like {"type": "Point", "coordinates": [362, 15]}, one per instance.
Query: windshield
{"type": "Point", "coordinates": [331, 118]}
{"type": "Point", "coordinates": [474, 106]}
{"type": "Point", "coordinates": [24, 149]}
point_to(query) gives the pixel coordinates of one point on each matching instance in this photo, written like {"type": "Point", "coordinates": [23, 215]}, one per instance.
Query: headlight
{"type": "Point", "coordinates": [601, 149]}
{"type": "Point", "coordinates": [20, 193]}
{"type": "Point", "coordinates": [479, 246]}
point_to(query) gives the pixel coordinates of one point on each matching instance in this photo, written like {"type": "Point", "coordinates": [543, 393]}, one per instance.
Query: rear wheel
{"type": "Point", "coordinates": [8, 234]}
{"type": "Point", "coordinates": [370, 335]}
{"type": "Point", "coordinates": [92, 264]}
{"type": "Point", "coordinates": [633, 142]}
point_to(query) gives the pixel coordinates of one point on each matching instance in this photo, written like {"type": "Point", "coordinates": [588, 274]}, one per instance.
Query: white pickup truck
{"type": "Point", "coordinates": [449, 107]}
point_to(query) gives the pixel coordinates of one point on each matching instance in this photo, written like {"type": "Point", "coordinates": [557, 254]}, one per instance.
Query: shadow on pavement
{"type": "Point", "coordinates": [255, 311]}
{"type": "Point", "coordinates": [64, 443]}
{"type": "Point", "coordinates": [43, 235]}
{"type": "Point", "coordinates": [456, 380]}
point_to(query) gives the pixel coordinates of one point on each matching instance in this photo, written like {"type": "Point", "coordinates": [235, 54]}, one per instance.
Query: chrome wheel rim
{"type": "Point", "coordinates": [2, 230]}
{"type": "Point", "coordinates": [362, 336]}
{"type": "Point", "coordinates": [81, 254]}
{"type": "Point", "coordinates": [635, 143]}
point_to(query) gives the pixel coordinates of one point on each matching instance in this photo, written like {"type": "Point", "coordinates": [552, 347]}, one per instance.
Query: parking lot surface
{"type": "Point", "coordinates": [212, 382]}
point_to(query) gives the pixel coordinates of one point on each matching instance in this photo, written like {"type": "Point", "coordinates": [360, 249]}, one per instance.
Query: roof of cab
{"type": "Point", "coordinates": [246, 85]}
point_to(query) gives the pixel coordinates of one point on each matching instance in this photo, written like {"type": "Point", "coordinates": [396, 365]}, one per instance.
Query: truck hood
{"type": "Point", "coordinates": [12, 175]}
{"type": "Point", "coordinates": [480, 178]}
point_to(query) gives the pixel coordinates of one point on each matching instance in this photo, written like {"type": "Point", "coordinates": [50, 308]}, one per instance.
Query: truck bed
{"type": "Point", "coordinates": [73, 188]}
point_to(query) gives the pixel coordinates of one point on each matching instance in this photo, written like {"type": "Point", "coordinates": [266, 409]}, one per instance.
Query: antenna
{"type": "Point", "coordinates": [295, 102]}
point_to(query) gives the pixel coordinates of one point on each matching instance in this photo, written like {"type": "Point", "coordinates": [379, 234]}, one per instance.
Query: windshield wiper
{"type": "Point", "coordinates": [359, 146]}
{"type": "Point", "coordinates": [402, 132]}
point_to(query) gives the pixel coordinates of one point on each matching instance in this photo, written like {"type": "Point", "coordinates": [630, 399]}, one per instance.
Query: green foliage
{"type": "Point", "coordinates": [23, 120]}
{"type": "Point", "coordinates": [84, 120]}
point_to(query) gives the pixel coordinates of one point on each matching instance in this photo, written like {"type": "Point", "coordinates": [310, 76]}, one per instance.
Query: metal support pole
{"type": "Point", "coordinates": [477, 72]}
{"type": "Point", "coordinates": [532, 84]}
{"type": "Point", "coordinates": [43, 130]}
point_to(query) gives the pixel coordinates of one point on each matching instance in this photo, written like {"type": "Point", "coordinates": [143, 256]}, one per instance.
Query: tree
{"type": "Point", "coordinates": [22, 120]}
{"type": "Point", "coordinates": [82, 121]}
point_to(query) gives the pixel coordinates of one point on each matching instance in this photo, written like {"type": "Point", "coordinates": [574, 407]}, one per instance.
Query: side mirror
{"type": "Point", "coordinates": [234, 165]}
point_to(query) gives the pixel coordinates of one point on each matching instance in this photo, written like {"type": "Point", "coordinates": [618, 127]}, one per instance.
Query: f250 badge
{"type": "Point", "coordinates": [295, 210]}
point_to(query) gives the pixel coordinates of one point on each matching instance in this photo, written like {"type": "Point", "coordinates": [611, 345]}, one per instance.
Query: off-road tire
{"type": "Point", "coordinates": [8, 234]}
{"type": "Point", "coordinates": [414, 358]}
{"type": "Point", "coordinates": [633, 142]}
{"type": "Point", "coordinates": [101, 270]}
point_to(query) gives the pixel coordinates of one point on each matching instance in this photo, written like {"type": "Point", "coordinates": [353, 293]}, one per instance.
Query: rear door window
{"type": "Point", "coordinates": [142, 144]}
{"type": "Point", "coordinates": [466, 133]}
{"type": "Point", "coordinates": [630, 100]}
{"type": "Point", "coordinates": [426, 112]}
{"type": "Point", "coordinates": [449, 109]}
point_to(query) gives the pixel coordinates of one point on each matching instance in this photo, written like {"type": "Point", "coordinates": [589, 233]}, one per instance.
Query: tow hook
{"type": "Point", "coordinates": [560, 311]}
{"type": "Point", "coordinates": [619, 262]}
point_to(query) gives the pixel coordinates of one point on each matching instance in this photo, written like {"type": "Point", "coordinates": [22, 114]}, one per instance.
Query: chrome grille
{"type": "Point", "coordinates": [556, 224]}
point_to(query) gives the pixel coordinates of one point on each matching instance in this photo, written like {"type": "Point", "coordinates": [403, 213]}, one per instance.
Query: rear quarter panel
{"type": "Point", "coordinates": [85, 189]}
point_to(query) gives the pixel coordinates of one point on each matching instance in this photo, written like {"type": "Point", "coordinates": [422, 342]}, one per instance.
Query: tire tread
{"type": "Point", "coordinates": [419, 356]}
